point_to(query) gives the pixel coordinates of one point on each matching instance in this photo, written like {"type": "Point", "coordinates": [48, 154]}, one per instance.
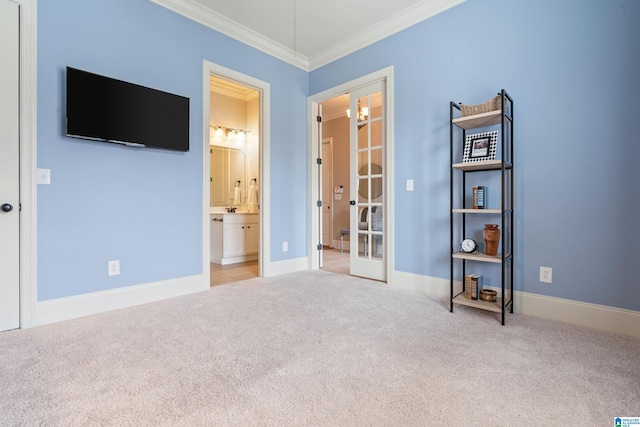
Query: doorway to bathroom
{"type": "Point", "coordinates": [234, 159]}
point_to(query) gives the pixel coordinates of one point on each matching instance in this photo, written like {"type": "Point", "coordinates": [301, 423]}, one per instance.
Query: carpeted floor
{"type": "Point", "coordinates": [314, 348]}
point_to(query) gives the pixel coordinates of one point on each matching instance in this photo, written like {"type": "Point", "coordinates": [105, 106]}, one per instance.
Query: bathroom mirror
{"type": "Point", "coordinates": [228, 166]}
{"type": "Point", "coordinates": [376, 183]}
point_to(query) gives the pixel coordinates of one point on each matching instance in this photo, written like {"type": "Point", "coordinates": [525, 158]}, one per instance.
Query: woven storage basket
{"type": "Point", "coordinates": [491, 105]}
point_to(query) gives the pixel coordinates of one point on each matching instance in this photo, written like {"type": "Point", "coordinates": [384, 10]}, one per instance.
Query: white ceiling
{"type": "Point", "coordinates": [306, 33]}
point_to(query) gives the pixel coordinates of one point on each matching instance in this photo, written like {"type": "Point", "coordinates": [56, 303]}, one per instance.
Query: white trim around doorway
{"type": "Point", "coordinates": [28, 126]}
{"type": "Point", "coordinates": [385, 75]}
{"type": "Point", "coordinates": [265, 269]}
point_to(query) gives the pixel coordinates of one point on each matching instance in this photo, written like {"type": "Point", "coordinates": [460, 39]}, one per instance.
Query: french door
{"type": "Point", "coordinates": [367, 175]}
{"type": "Point", "coordinates": [9, 169]}
{"type": "Point", "coordinates": [327, 193]}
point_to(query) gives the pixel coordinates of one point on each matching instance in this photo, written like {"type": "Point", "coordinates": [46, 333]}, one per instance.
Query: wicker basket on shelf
{"type": "Point", "coordinates": [493, 104]}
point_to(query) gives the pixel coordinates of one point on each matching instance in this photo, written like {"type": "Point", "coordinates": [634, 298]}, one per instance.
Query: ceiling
{"type": "Point", "coordinates": [306, 33]}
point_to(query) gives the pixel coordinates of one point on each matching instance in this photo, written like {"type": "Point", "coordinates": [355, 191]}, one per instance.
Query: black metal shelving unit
{"type": "Point", "coordinates": [461, 212]}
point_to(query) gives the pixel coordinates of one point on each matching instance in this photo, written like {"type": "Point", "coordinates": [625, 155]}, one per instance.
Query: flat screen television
{"type": "Point", "coordinates": [105, 109]}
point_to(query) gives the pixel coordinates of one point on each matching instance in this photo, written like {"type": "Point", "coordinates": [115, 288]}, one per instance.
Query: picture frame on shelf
{"type": "Point", "coordinates": [480, 147]}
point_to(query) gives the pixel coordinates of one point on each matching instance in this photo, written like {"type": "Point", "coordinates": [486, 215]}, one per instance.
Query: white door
{"type": "Point", "coordinates": [327, 192]}
{"type": "Point", "coordinates": [367, 175]}
{"type": "Point", "coordinates": [9, 172]}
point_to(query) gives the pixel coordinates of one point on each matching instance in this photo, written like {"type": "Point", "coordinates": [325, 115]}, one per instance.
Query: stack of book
{"type": "Point", "coordinates": [472, 286]}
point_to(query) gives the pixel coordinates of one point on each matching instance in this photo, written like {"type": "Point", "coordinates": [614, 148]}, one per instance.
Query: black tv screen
{"type": "Point", "coordinates": [106, 109]}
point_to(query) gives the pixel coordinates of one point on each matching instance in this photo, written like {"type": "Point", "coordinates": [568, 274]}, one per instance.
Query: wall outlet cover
{"type": "Point", "coordinates": [113, 268]}
{"type": "Point", "coordinates": [546, 274]}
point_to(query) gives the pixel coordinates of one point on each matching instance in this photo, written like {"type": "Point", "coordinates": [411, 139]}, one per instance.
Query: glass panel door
{"type": "Point", "coordinates": [367, 178]}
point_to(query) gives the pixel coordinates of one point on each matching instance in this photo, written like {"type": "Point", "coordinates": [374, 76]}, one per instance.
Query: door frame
{"type": "Point", "coordinates": [385, 75]}
{"type": "Point", "coordinates": [27, 160]}
{"type": "Point", "coordinates": [211, 69]}
{"type": "Point", "coordinates": [329, 142]}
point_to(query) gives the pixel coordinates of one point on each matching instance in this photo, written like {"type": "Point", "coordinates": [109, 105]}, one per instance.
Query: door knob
{"type": "Point", "coordinates": [352, 202]}
{"type": "Point", "coordinates": [6, 207]}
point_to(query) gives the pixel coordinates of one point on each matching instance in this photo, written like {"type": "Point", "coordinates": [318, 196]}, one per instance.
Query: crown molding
{"type": "Point", "coordinates": [226, 26]}
{"type": "Point", "coordinates": [396, 23]}
{"type": "Point", "coordinates": [233, 90]}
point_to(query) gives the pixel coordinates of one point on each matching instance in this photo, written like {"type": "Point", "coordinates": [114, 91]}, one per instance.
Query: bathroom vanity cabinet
{"type": "Point", "coordinates": [235, 238]}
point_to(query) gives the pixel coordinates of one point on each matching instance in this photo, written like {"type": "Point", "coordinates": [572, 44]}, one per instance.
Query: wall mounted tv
{"type": "Point", "coordinates": [106, 109]}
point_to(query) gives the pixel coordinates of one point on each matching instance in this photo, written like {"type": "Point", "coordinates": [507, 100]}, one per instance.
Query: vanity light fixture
{"type": "Point", "coordinates": [230, 133]}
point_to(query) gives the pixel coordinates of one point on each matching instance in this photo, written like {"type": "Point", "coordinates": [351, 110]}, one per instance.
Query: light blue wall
{"type": "Point", "coordinates": [572, 68]}
{"type": "Point", "coordinates": [143, 206]}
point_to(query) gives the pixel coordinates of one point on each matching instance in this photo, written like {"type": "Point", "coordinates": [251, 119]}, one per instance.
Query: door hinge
{"type": "Point", "coordinates": [319, 119]}
{"type": "Point", "coordinates": [319, 203]}
{"type": "Point", "coordinates": [319, 247]}
{"type": "Point", "coordinates": [319, 161]}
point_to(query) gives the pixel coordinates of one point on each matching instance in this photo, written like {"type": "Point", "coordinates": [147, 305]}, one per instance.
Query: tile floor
{"type": "Point", "coordinates": [221, 274]}
{"type": "Point", "coordinates": [334, 261]}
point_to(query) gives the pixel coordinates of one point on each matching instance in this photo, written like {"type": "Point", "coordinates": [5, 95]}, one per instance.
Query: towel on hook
{"type": "Point", "coordinates": [252, 198]}
{"type": "Point", "coordinates": [237, 196]}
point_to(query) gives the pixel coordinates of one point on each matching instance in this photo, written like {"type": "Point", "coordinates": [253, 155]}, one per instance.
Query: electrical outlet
{"type": "Point", "coordinates": [546, 274]}
{"type": "Point", "coordinates": [113, 268]}
{"type": "Point", "coordinates": [285, 246]}
{"type": "Point", "coordinates": [409, 185]}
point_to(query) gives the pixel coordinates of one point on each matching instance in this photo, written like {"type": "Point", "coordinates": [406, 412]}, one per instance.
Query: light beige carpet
{"type": "Point", "coordinates": [314, 348]}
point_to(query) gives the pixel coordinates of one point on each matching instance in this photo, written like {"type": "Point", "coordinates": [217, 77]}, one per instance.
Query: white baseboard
{"type": "Point", "coordinates": [287, 266]}
{"type": "Point", "coordinates": [67, 308]}
{"type": "Point", "coordinates": [97, 302]}
{"type": "Point", "coordinates": [235, 259]}
{"type": "Point", "coordinates": [601, 317]}
{"type": "Point", "coordinates": [595, 316]}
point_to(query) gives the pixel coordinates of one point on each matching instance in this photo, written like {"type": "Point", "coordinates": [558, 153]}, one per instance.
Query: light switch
{"type": "Point", "coordinates": [409, 185]}
{"type": "Point", "coordinates": [43, 176]}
